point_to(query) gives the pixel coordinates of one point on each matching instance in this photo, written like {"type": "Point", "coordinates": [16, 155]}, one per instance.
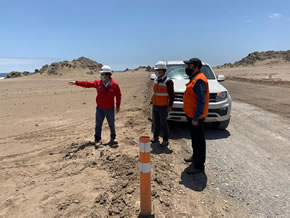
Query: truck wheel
{"type": "Point", "coordinates": [223, 124]}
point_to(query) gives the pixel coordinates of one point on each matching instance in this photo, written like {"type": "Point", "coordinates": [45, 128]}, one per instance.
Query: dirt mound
{"type": "Point", "coordinates": [15, 74]}
{"type": "Point", "coordinates": [270, 57]}
{"type": "Point", "coordinates": [81, 64]}
{"type": "Point", "coordinates": [119, 199]}
{"type": "Point", "coordinates": [147, 69]}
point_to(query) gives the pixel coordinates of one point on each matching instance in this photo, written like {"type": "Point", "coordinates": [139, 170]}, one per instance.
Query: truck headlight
{"type": "Point", "coordinates": [221, 96]}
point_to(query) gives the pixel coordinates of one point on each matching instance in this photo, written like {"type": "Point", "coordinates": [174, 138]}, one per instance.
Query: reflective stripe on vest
{"type": "Point", "coordinates": [160, 93]}
{"type": "Point", "coordinates": [190, 98]}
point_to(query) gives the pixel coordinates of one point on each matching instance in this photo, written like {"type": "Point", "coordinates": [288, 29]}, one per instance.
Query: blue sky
{"type": "Point", "coordinates": [129, 33]}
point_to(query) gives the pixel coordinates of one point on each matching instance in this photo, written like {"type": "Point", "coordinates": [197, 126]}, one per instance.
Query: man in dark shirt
{"type": "Point", "coordinates": [162, 100]}
{"type": "Point", "coordinates": [196, 101]}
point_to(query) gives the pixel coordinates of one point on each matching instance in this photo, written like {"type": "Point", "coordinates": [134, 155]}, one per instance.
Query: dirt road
{"type": "Point", "coordinates": [271, 97]}
{"type": "Point", "coordinates": [49, 168]}
{"type": "Point", "coordinates": [251, 163]}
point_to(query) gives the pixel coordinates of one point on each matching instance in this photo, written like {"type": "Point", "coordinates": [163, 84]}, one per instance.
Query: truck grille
{"type": "Point", "coordinates": [177, 109]}
{"type": "Point", "coordinates": [179, 97]}
{"type": "Point", "coordinates": [212, 97]}
{"type": "Point", "coordinates": [221, 112]}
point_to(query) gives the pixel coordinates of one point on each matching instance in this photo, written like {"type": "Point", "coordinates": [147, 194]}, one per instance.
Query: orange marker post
{"type": "Point", "coordinates": [145, 176]}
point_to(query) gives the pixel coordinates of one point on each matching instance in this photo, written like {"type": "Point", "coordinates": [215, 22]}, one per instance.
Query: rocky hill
{"type": "Point", "coordinates": [148, 69]}
{"type": "Point", "coordinates": [270, 57]}
{"type": "Point", "coordinates": [78, 66]}
{"type": "Point", "coordinates": [60, 68]}
{"type": "Point", "coordinates": [15, 74]}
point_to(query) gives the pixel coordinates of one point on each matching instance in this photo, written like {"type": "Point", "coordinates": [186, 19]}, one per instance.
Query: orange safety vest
{"type": "Point", "coordinates": [160, 94]}
{"type": "Point", "coordinates": [190, 98]}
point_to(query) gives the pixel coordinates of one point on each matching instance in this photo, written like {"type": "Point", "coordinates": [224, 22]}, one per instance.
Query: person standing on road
{"type": "Point", "coordinates": [162, 100]}
{"type": "Point", "coordinates": [107, 90]}
{"type": "Point", "coordinates": [195, 106]}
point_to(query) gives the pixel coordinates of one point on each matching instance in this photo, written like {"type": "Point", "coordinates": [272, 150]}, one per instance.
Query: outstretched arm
{"type": "Point", "coordinates": [85, 84]}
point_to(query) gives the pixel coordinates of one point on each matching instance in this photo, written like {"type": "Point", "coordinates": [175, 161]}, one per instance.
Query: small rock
{"type": "Point", "coordinates": [130, 191]}
{"type": "Point", "coordinates": [132, 142]}
{"type": "Point", "coordinates": [124, 185]}
{"type": "Point", "coordinates": [76, 201]}
{"type": "Point", "coordinates": [129, 173]}
{"type": "Point", "coordinates": [110, 158]}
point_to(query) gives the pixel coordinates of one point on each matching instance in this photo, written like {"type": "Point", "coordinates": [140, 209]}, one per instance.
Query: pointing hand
{"type": "Point", "coordinates": [72, 83]}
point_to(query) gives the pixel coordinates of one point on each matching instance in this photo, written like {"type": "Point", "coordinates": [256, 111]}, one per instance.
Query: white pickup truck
{"type": "Point", "coordinates": [220, 101]}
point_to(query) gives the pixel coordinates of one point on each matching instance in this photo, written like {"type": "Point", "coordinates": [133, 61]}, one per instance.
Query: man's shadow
{"type": "Point", "coordinates": [76, 147]}
{"type": "Point", "coordinates": [196, 182]}
{"type": "Point", "coordinates": [180, 130]}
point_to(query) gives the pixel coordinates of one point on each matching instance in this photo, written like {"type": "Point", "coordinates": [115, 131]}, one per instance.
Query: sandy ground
{"type": "Point", "coordinates": [261, 71]}
{"type": "Point", "coordinates": [49, 168]}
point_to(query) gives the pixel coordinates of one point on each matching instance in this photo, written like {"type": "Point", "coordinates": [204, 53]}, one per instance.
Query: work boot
{"type": "Point", "coordinates": [155, 141]}
{"type": "Point", "coordinates": [113, 144]}
{"type": "Point", "coordinates": [164, 144]}
{"type": "Point", "coordinates": [189, 159]}
{"type": "Point", "coordinates": [98, 143]}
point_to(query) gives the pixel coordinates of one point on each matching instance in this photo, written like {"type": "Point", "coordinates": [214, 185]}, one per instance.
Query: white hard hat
{"type": "Point", "coordinates": [106, 69]}
{"type": "Point", "coordinates": [160, 65]}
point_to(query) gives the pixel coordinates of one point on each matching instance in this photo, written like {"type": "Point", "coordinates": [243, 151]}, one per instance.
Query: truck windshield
{"type": "Point", "coordinates": [178, 71]}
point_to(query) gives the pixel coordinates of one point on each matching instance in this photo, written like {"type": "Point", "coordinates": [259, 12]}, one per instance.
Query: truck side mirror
{"type": "Point", "coordinates": [221, 78]}
{"type": "Point", "coordinates": [153, 76]}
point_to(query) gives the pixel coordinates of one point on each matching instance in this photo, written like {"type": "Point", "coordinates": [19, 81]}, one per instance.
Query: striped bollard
{"type": "Point", "coordinates": [145, 176]}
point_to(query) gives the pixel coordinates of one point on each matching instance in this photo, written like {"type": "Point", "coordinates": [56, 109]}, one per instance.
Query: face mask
{"type": "Point", "coordinates": [102, 78]}
{"type": "Point", "coordinates": [188, 71]}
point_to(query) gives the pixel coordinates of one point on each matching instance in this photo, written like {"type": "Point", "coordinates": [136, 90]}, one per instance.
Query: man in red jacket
{"type": "Point", "coordinates": [107, 90]}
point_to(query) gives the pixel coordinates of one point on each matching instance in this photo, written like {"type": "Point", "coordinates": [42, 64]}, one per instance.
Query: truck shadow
{"type": "Point", "coordinates": [179, 130]}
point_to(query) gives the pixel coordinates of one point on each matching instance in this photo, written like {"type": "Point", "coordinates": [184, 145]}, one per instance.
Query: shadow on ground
{"type": "Point", "coordinates": [196, 182]}
{"type": "Point", "coordinates": [213, 133]}
{"type": "Point", "coordinates": [179, 130]}
{"type": "Point", "coordinates": [82, 146]}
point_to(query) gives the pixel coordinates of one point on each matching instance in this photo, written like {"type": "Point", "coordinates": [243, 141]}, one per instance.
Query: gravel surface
{"type": "Point", "coordinates": [251, 162]}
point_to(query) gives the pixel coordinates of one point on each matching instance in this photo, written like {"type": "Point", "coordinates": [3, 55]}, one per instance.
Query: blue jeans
{"type": "Point", "coordinates": [100, 116]}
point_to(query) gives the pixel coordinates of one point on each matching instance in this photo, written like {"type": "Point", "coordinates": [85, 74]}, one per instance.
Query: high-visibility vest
{"type": "Point", "coordinates": [160, 93]}
{"type": "Point", "coordinates": [190, 98]}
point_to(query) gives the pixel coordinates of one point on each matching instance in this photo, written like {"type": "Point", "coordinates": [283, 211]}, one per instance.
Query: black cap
{"type": "Point", "coordinates": [195, 61]}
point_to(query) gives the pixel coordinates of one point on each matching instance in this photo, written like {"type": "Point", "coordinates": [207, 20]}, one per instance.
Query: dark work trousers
{"type": "Point", "coordinates": [198, 142]}
{"type": "Point", "coordinates": [100, 116]}
{"type": "Point", "coordinates": [160, 121]}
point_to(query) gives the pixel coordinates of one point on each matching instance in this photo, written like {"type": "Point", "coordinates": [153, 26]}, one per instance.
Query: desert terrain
{"type": "Point", "coordinates": [49, 167]}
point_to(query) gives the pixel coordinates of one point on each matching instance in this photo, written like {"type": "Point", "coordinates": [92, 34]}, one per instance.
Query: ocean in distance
{"type": "Point", "coordinates": [3, 75]}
